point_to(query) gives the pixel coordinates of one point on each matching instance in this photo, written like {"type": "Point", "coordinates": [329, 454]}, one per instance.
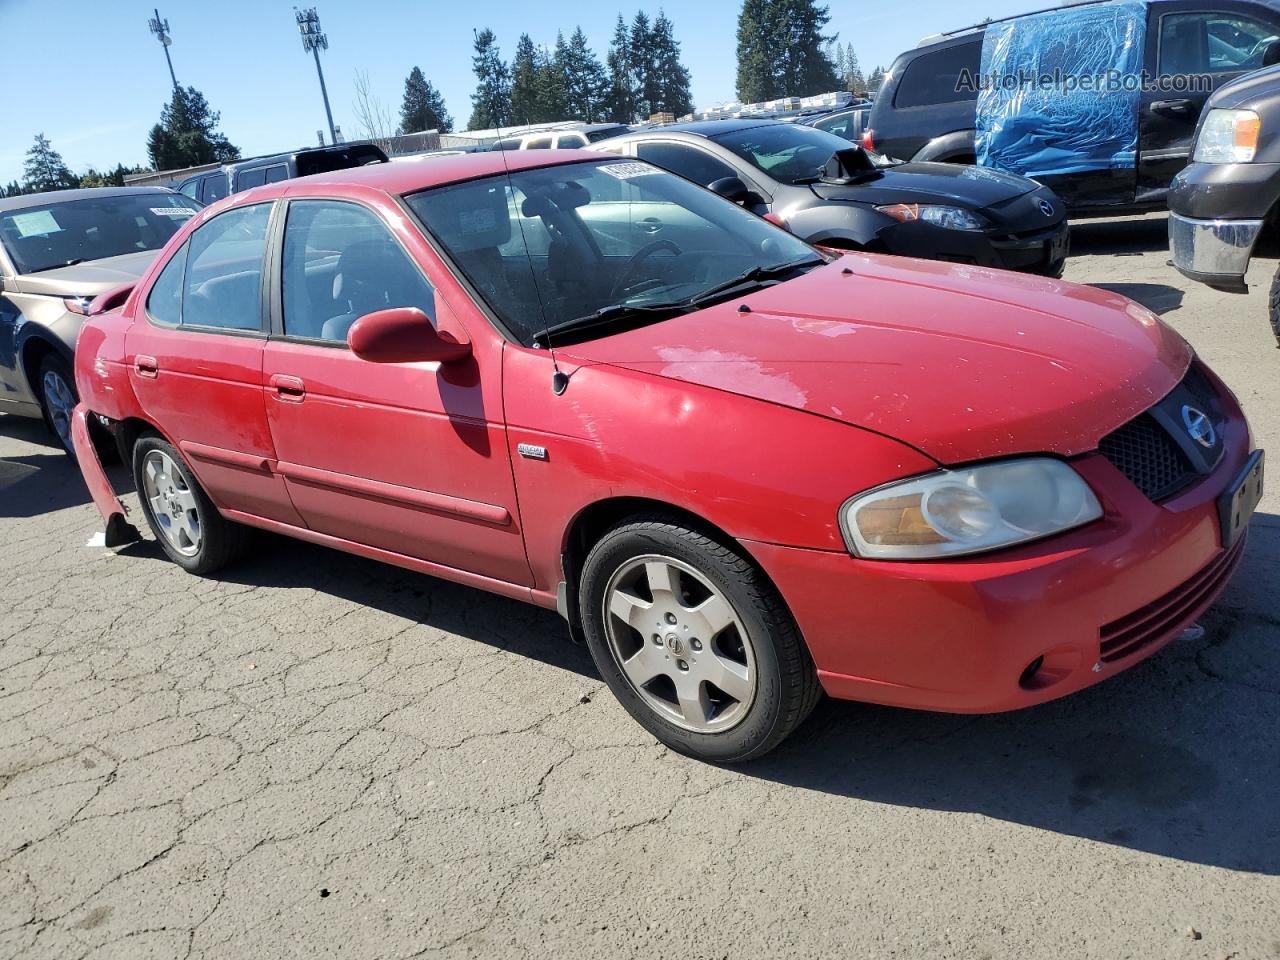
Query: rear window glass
{"type": "Point", "coordinates": [214, 187]}
{"type": "Point", "coordinates": [933, 77]}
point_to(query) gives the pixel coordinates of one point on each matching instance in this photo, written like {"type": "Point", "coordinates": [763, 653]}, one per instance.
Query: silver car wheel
{"type": "Point", "coordinates": [59, 401]}
{"type": "Point", "coordinates": [173, 503]}
{"type": "Point", "coordinates": [680, 644]}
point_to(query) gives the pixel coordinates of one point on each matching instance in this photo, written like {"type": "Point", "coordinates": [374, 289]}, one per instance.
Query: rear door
{"type": "Point", "coordinates": [1193, 47]}
{"type": "Point", "coordinates": [405, 457]}
{"type": "Point", "coordinates": [195, 360]}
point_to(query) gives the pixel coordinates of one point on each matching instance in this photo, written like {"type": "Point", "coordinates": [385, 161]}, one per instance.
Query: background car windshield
{"type": "Point", "coordinates": [786, 151]}
{"type": "Point", "coordinates": [553, 244]}
{"type": "Point", "coordinates": [60, 234]}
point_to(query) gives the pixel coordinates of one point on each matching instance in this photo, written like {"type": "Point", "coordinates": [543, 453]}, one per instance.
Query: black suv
{"type": "Point", "coordinates": [925, 110]}
{"type": "Point", "coordinates": [233, 177]}
{"type": "Point", "coordinates": [1221, 202]}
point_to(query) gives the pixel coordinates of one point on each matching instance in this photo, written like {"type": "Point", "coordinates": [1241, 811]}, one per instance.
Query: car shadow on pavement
{"type": "Point", "coordinates": [1177, 756]}
{"type": "Point", "coordinates": [37, 483]}
{"type": "Point", "coordinates": [1119, 236]}
{"type": "Point", "coordinates": [1157, 297]}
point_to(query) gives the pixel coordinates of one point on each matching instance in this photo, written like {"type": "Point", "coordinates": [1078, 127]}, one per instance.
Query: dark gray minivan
{"type": "Point", "coordinates": [231, 178]}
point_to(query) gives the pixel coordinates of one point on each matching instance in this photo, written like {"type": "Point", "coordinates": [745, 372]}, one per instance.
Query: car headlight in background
{"type": "Point", "coordinates": [1228, 136]}
{"type": "Point", "coordinates": [950, 218]}
{"type": "Point", "coordinates": [954, 512]}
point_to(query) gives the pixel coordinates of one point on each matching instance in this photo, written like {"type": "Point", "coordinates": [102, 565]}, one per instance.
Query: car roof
{"type": "Point", "coordinates": [707, 128]}
{"type": "Point", "coordinates": [64, 196]}
{"type": "Point", "coordinates": [402, 178]}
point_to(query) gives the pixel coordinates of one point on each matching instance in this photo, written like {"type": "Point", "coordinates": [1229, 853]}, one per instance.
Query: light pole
{"type": "Point", "coordinates": [313, 41]}
{"type": "Point", "coordinates": [161, 30]}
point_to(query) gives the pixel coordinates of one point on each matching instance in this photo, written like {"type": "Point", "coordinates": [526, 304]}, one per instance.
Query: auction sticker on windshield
{"type": "Point", "coordinates": [181, 212]}
{"type": "Point", "coordinates": [626, 171]}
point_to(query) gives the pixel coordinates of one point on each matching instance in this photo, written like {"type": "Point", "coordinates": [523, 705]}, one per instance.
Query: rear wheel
{"type": "Point", "coordinates": [1273, 306]}
{"type": "Point", "coordinates": [184, 520]}
{"type": "Point", "coordinates": [694, 641]}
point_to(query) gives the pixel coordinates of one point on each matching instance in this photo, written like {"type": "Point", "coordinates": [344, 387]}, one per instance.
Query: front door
{"type": "Point", "coordinates": [1194, 51]}
{"type": "Point", "coordinates": [406, 457]}
{"type": "Point", "coordinates": [195, 355]}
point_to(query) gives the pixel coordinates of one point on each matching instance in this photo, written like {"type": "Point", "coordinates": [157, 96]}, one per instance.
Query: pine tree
{"type": "Point", "coordinates": [644, 67]}
{"type": "Point", "coordinates": [423, 106]}
{"type": "Point", "coordinates": [585, 82]}
{"type": "Point", "coordinates": [673, 78]}
{"type": "Point", "coordinates": [855, 82]}
{"type": "Point", "coordinates": [12, 189]}
{"type": "Point", "coordinates": [187, 134]}
{"type": "Point", "coordinates": [621, 98]}
{"type": "Point", "coordinates": [491, 103]}
{"type": "Point", "coordinates": [757, 51]}
{"type": "Point", "coordinates": [524, 93]}
{"type": "Point", "coordinates": [550, 83]}
{"type": "Point", "coordinates": [44, 169]}
{"type": "Point", "coordinates": [876, 78]}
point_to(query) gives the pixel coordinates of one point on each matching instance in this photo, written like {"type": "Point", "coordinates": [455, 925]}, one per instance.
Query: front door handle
{"type": "Point", "coordinates": [1179, 108]}
{"type": "Point", "coordinates": [651, 225]}
{"type": "Point", "coordinates": [146, 366]}
{"type": "Point", "coordinates": [288, 388]}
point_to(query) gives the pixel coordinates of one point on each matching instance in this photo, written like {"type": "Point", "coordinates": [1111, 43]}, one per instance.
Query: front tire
{"type": "Point", "coordinates": [694, 641]}
{"type": "Point", "coordinates": [1273, 306]}
{"type": "Point", "coordinates": [56, 388]}
{"type": "Point", "coordinates": [184, 520]}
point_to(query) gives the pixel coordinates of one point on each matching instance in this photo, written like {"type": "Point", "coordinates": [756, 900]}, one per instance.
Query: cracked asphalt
{"type": "Point", "coordinates": [319, 756]}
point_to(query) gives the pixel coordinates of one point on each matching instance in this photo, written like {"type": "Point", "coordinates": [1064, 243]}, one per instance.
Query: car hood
{"type": "Point", "coordinates": [1242, 91]}
{"type": "Point", "coordinates": [90, 278]}
{"type": "Point", "coordinates": [969, 186]}
{"type": "Point", "coordinates": [960, 362]}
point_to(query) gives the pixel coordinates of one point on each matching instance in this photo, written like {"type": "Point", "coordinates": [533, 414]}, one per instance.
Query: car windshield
{"type": "Point", "coordinates": [788, 152]}
{"type": "Point", "coordinates": [61, 234]}
{"type": "Point", "coordinates": [578, 247]}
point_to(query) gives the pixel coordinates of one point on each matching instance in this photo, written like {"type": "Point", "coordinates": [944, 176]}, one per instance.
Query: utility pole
{"type": "Point", "coordinates": [313, 41]}
{"type": "Point", "coordinates": [161, 30]}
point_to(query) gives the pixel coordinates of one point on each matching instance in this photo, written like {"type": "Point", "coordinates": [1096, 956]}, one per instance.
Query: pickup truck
{"type": "Point", "coordinates": [1102, 150]}
{"type": "Point", "coordinates": [1222, 203]}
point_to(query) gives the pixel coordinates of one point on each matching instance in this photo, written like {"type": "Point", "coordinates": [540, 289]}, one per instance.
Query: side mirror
{"type": "Point", "coordinates": [731, 188]}
{"type": "Point", "coordinates": [402, 335]}
{"type": "Point", "coordinates": [1271, 55]}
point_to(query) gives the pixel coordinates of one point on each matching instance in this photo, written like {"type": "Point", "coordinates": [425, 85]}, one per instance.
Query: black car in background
{"type": "Point", "coordinates": [831, 192]}
{"type": "Point", "coordinates": [848, 123]}
{"type": "Point", "coordinates": [1223, 201]}
{"type": "Point", "coordinates": [231, 178]}
{"type": "Point", "coordinates": [924, 112]}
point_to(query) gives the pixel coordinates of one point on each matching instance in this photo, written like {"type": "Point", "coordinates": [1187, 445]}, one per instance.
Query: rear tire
{"type": "Point", "coordinates": [183, 519]}
{"type": "Point", "coordinates": [1273, 306]}
{"type": "Point", "coordinates": [694, 641]}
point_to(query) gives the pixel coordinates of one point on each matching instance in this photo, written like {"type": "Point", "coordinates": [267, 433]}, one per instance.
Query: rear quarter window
{"type": "Point", "coordinates": [933, 78]}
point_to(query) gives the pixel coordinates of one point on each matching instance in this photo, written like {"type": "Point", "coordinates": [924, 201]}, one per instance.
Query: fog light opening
{"type": "Point", "coordinates": [1028, 679]}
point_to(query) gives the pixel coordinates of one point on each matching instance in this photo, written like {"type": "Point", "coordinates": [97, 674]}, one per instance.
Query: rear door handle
{"type": "Point", "coordinates": [146, 366]}
{"type": "Point", "coordinates": [288, 388]}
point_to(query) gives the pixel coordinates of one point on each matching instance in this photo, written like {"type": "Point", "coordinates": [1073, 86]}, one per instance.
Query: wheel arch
{"type": "Point", "coordinates": [958, 146]}
{"type": "Point", "coordinates": [597, 518]}
{"type": "Point", "coordinates": [37, 344]}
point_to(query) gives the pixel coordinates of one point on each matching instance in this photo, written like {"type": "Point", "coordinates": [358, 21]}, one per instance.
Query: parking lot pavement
{"type": "Point", "coordinates": [320, 756]}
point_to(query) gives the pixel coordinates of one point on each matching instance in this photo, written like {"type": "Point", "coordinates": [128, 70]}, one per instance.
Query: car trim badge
{"type": "Point", "coordinates": [531, 451]}
{"type": "Point", "coordinates": [1199, 426]}
{"type": "Point", "coordinates": [1045, 207]}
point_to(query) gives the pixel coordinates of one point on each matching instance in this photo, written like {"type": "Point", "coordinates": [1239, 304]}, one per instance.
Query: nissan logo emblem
{"type": "Point", "coordinates": [1046, 207]}
{"type": "Point", "coordinates": [1199, 427]}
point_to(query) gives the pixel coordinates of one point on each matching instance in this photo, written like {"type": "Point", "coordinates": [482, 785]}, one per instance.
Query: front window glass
{"type": "Point", "coordinates": [164, 302]}
{"type": "Point", "coordinates": [223, 284]}
{"type": "Point", "coordinates": [786, 151]}
{"type": "Point", "coordinates": [689, 162]}
{"type": "Point", "coordinates": [214, 187]}
{"type": "Point", "coordinates": [1193, 43]}
{"type": "Point", "coordinates": [551, 246]}
{"type": "Point", "coordinates": [62, 234]}
{"type": "Point", "coordinates": [339, 262]}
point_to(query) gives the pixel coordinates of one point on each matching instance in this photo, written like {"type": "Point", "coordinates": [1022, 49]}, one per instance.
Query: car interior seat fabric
{"type": "Point", "coordinates": [374, 275]}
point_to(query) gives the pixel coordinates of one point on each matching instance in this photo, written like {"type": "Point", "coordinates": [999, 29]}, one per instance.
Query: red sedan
{"type": "Point", "coordinates": [744, 469]}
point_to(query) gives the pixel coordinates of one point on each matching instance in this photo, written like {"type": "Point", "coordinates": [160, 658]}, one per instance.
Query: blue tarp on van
{"type": "Point", "coordinates": [1059, 91]}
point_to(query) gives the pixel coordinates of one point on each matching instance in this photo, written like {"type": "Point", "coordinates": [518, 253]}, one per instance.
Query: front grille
{"type": "Point", "coordinates": [1145, 453]}
{"type": "Point", "coordinates": [1200, 388]}
{"type": "Point", "coordinates": [1173, 611]}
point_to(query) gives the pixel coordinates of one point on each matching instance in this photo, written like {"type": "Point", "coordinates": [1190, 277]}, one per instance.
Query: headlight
{"type": "Point", "coordinates": [950, 218]}
{"type": "Point", "coordinates": [954, 512]}
{"type": "Point", "coordinates": [1228, 136]}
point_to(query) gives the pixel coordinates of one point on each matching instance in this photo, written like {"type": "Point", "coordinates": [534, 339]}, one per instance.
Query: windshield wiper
{"type": "Point", "coordinates": [613, 313]}
{"type": "Point", "coordinates": [754, 275]}
{"type": "Point", "coordinates": [59, 266]}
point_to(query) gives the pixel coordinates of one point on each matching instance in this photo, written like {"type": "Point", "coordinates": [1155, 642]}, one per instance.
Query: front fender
{"type": "Point", "coordinates": [839, 224]}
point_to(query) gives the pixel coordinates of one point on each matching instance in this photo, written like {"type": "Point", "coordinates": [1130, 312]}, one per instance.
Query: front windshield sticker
{"type": "Point", "coordinates": [35, 224]}
{"type": "Point", "coordinates": [626, 171]}
{"type": "Point", "coordinates": [182, 212]}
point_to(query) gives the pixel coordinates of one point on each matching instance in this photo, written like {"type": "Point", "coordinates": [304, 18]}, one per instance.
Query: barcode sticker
{"type": "Point", "coordinates": [629, 170]}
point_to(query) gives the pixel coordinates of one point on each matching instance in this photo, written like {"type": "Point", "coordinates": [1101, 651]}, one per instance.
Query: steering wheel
{"type": "Point", "coordinates": [627, 276]}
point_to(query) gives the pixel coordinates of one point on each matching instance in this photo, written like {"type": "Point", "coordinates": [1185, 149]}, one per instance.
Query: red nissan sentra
{"type": "Point", "coordinates": [745, 470]}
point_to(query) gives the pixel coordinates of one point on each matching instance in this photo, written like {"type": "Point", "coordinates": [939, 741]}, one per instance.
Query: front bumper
{"type": "Point", "coordinates": [1041, 251]}
{"type": "Point", "coordinates": [1214, 252]}
{"type": "Point", "coordinates": [960, 636]}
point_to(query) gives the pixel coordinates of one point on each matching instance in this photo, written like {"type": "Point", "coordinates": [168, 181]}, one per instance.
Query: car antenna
{"type": "Point", "coordinates": [559, 379]}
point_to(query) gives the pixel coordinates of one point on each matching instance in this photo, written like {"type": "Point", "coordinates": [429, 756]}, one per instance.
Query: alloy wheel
{"type": "Point", "coordinates": [680, 644]}
{"type": "Point", "coordinates": [173, 503]}
{"type": "Point", "coordinates": [59, 401]}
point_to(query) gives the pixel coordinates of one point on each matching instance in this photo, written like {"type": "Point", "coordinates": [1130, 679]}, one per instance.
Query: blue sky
{"type": "Point", "coordinates": [107, 79]}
